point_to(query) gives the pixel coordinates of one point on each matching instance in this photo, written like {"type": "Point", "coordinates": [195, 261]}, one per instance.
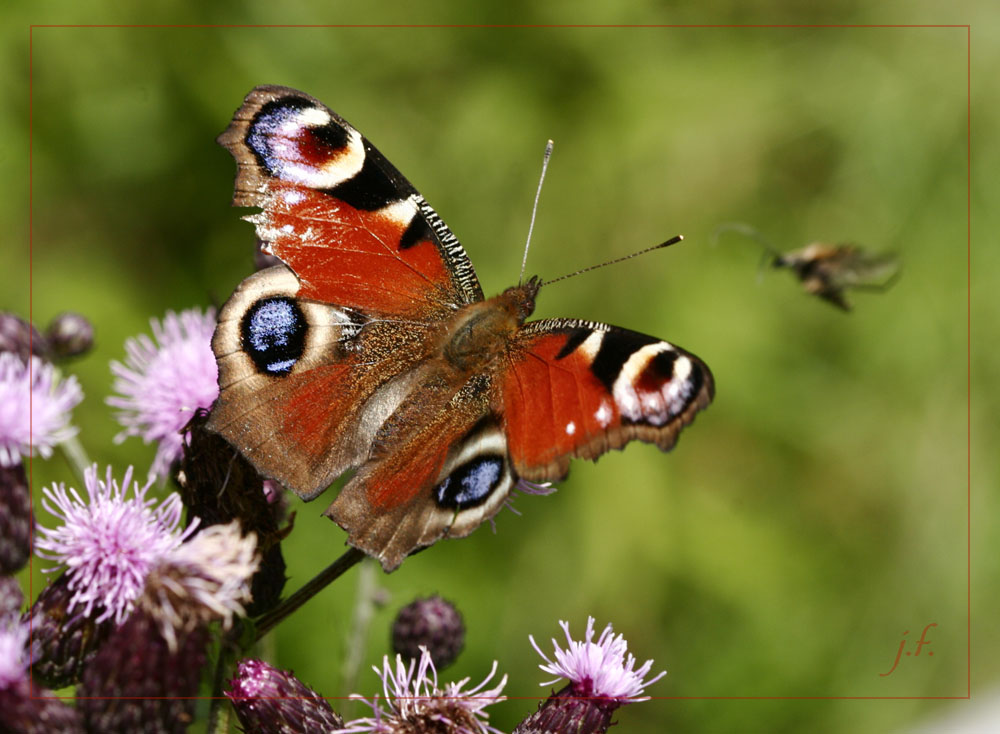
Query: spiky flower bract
{"type": "Point", "coordinates": [16, 521]}
{"type": "Point", "coordinates": [165, 380]}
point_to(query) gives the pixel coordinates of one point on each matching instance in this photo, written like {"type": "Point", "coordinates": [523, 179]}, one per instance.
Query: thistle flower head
{"type": "Point", "coordinates": [34, 408]}
{"type": "Point", "coordinates": [418, 706]}
{"type": "Point", "coordinates": [109, 543]}
{"type": "Point", "coordinates": [163, 382]}
{"type": "Point", "coordinates": [205, 579]}
{"type": "Point", "coordinates": [603, 669]}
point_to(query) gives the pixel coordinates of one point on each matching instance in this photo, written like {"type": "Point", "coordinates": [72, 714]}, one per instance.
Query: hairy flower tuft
{"type": "Point", "coordinates": [417, 705]}
{"type": "Point", "coordinates": [602, 669]}
{"type": "Point", "coordinates": [202, 580]}
{"type": "Point", "coordinates": [34, 409]}
{"type": "Point", "coordinates": [108, 544]}
{"type": "Point", "coordinates": [163, 382]}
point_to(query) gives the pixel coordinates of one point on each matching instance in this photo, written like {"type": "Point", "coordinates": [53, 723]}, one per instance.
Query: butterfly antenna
{"type": "Point", "coordinates": [538, 193]}
{"type": "Point", "coordinates": [671, 241]}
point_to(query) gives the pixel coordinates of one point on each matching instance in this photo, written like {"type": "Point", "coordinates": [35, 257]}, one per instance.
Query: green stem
{"type": "Point", "coordinates": [76, 456]}
{"type": "Point", "coordinates": [364, 611]}
{"type": "Point", "coordinates": [329, 574]}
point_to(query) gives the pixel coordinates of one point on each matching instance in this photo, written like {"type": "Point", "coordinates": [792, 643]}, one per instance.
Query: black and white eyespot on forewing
{"type": "Point", "coordinates": [656, 383]}
{"type": "Point", "coordinates": [297, 141]}
{"type": "Point", "coordinates": [650, 380]}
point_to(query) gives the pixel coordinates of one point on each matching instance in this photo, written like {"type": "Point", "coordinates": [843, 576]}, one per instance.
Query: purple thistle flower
{"type": "Point", "coordinates": [602, 677]}
{"type": "Point", "coordinates": [272, 701]}
{"type": "Point", "coordinates": [145, 676]}
{"type": "Point", "coordinates": [109, 544]}
{"type": "Point", "coordinates": [417, 705]}
{"type": "Point", "coordinates": [34, 410]}
{"type": "Point", "coordinates": [13, 653]}
{"type": "Point", "coordinates": [163, 383]}
{"type": "Point", "coordinates": [598, 669]}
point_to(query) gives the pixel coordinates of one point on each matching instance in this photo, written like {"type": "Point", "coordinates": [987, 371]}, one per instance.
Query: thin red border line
{"type": "Point", "coordinates": [968, 29]}
{"type": "Point", "coordinates": [31, 320]}
{"type": "Point", "coordinates": [968, 352]}
{"type": "Point", "coordinates": [501, 699]}
{"type": "Point", "coordinates": [499, 26]}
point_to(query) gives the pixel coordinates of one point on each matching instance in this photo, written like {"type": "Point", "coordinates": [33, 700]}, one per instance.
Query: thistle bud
{"type": "Point", "coordinates": [433, 623]}
{"type": "Point", "coordinates": [20, 337]}
{"type": "Point", "coordinates": [69, 335]}
{"type": "Point", "coordinates": [64, 636]}
{"type": "Point", "coordinates": [272, 701]}
{"type": "Point", "coordinates": [15, 518]}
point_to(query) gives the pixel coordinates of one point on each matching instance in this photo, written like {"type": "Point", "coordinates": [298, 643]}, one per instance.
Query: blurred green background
{"type": "Point", "coordinates": [813, 514]}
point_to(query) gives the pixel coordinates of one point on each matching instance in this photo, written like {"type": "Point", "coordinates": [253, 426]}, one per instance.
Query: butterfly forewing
{"type": "Point", "coordinates": [350, 226]}
{"type": "Point", "coordinates": [580, 388]}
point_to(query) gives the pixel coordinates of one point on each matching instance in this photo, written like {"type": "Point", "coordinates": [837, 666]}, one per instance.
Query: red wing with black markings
{"type": "Point", "coordinates": [351, 227]}
{"type": "Point", "coordinates": [576, 389]}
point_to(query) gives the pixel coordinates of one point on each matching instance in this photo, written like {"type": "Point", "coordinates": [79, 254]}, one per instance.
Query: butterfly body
{"type": "Point", "coordinates": [372, 349]}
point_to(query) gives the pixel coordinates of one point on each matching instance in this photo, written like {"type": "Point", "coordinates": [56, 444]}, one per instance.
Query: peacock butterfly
{"type": "Point", "coordinates": [371, 348]}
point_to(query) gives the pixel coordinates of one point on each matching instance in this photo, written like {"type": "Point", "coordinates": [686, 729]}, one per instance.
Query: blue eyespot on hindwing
{"type": "Point", "coordinates": [471, 483]}
{"type": "Point", "coordinates": [274, 334]}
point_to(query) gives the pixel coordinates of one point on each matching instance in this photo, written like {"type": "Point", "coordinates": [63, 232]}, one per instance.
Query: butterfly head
{"type": "Point", "coordinates": [520, 299]}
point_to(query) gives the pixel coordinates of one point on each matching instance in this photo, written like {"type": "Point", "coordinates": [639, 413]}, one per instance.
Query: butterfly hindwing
{"type": "Point", "coordinates": [305, 385]}
{"type": "Point", "coordinates": [576, 389]}
{"type": "Point", "coordinates": [444, 480]}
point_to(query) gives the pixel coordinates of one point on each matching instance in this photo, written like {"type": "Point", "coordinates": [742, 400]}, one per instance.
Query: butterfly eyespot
{"type": "Point", "coordinates": [274, 334]}
{"type": "Point", "coordinates": [471, 483]}
{"type": "Point", "coordinates": [298, 142]}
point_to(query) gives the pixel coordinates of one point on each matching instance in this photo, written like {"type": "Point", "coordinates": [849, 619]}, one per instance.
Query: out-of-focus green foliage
{"type": "Point", "coordinates": [811, 516]}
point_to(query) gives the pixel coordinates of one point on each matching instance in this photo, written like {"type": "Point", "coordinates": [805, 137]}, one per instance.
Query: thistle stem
{"type": "Point", "coordinates": [76, 456]}
{"type": "Point", "coordinates": [308, 590]}
{"type": "Point", "coordinates": [364, 610]}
